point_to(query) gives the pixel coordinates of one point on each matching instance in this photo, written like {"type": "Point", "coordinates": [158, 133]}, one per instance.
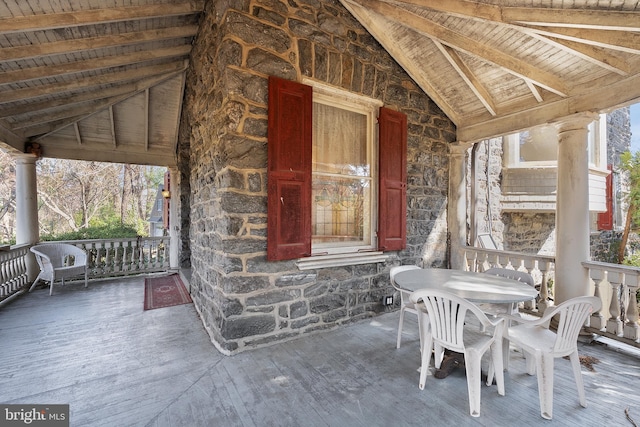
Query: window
{"type": "Point", "coordinates": [538, 146]}
{"type": "Point", "coordinates": [325, 180]}
{"type": "Point", "coordinates": [343, 186]}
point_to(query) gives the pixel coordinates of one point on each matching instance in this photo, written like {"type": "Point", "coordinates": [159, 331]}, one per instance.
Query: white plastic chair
{"type": "Point", "coordinates": [447, 313]}
{"type": "Point", "coordinates": [541, 345]}
{"type": "Point", "coordinates": [405, 304]}
{"type": "Point", "coordinates": [59, 261]}
{"type": "Point", "coordinates": [500, 309]}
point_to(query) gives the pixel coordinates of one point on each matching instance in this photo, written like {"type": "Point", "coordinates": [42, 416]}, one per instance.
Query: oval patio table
{"type": "Point", "coordinates": [475, 287]}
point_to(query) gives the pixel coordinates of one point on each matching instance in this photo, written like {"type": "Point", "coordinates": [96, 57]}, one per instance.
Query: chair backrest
{"type": "Point", "coordinates": [398, 269]}
{"type": "Point", "coordinates": [573, 315]}
{"type": "Point", "coordinates": [520, 276]}
{"type": "Point", "coordinates": [447, 313]}
{"type": "Point", "coordinates": [58, 253]}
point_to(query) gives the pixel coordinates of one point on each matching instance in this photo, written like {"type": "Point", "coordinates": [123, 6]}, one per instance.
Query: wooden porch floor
{"type": "Point", "coordinates": [117, 365]}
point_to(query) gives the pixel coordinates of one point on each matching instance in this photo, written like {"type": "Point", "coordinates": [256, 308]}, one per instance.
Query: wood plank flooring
{"type": "Point", "coordinates": [117, 365]}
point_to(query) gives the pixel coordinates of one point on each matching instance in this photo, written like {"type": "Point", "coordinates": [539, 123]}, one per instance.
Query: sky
{"type": "Point", "coordinates": [635, 128]}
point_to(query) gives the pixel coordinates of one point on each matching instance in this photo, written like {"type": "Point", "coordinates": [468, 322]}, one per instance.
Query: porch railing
{"type": "Point", "coordinates": [541, 267]}
{"type": "Point", "coordinates": [13, 271]}
{"type": "Point", "coordinates": [106, 257]}
{"type": "Point", "coordinates": [121, 257]}
{"type": "Point", "coordinates": [617, 286]}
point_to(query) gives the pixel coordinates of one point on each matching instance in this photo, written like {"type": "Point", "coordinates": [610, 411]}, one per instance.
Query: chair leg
{"type": "Point", "coordinates": [577, 373]}
{"type": "Point", "coordinates": [472, 364]}
{"type": "Point", "coordinates": [426, 358]}
{"type": "Point", "coordinates": [544, 369]}
{"type": "Point", "coordinates": [438, 355]}
{"type": "Point", "coordinates": [496, 365]}
{"type": "Point", "coordinates": [35, 282]}
{"type": "Point", "coordinates": [400, 323]}
{"type": "Point", "coordinates": [51, 288]}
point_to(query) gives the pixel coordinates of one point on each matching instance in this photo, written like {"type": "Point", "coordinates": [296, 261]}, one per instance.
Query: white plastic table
{"type": "Point", "coordinates": [475, 287]}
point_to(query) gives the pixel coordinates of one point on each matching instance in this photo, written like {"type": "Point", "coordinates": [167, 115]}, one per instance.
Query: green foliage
{"type": "Point", "coordinates": [105, 231]}
{"type": "Point", "coordinates": [630, 163]}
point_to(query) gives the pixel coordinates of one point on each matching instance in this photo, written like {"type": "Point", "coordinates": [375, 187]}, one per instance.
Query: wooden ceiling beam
{"type": "Point", "coordinates": [12, 139]}
{"type": "Point", "coordinates": [112, 122]}
{"type": "Point", "coordinates": [47, 71]}
{"type": "Point", "coordinates": [74, 110]}
{"type": "Point", "coordinates": [602, 19]}
{"type": "Point", "coordinates": [599, 19]}
{"type": "Point", "coordinates": [534, 90]}
{"type": "Point", "coordinates": [98, 16]}
{"type": "Point", "coordinates": [468, 9]}
{"type": "Point", "coordinates": [76, 129]}
{"type": "Point", "coordinates": [604, 58]}
{"type": "Point", "coordinates": [468, 45]}
{"type": "Point", "coordinates": [617, 40]}
{"type": "Point", "coordinates": [58, 88]}
{"type": "Point", "coordinates": [127, 89]}
{"type": "Point", "coordinates": [67, 148]}
{"type": "Point", "coordinates": [77, 45]}
{"type": "Point", "coordinates": [469, 78]}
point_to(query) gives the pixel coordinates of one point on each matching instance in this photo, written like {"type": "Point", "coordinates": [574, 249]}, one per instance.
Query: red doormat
{"type": "Point", "coordinates": [164, 291]}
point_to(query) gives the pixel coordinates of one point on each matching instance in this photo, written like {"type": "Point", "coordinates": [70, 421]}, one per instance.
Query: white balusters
{"type": "Point", "coordinates": [614, 323]}
{"type": "Point", "coordinates": [631, 329]}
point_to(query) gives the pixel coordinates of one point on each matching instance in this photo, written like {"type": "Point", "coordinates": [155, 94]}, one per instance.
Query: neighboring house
{"type": "Point", "coordinates": [159, 216]}
{"type": "Point", "coordinates": [156, 219]}
{"type": "Point", "coordinates": [521, 188]}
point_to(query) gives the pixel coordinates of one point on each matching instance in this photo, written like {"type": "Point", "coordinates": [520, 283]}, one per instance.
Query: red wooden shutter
{"type": "Point", "coordinates": [289, 170]}
{"type": "Point", "coordinates": [392, 200]}
{"type": "Point", "coordinates": [605, 219]}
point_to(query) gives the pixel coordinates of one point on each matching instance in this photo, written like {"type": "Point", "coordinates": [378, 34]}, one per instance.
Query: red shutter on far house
{"type": "Point", "coordinates": [289, 170]}
{"type": "Point", "coordinates": [605, 219]}
{"type": "Point", "coordinates": [392, 200]}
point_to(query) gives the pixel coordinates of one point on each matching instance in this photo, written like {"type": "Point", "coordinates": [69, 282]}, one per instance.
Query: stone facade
{"type": "Point", "coordinates": [245, 301]}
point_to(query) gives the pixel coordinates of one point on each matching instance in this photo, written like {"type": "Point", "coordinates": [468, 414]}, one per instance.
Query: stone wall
{"type": "Point", "coordinates": [486, 214]}
{"type": "Point", "coordinates": [618, 134]}
{"type": "Point", "coordinates": [245, 301]}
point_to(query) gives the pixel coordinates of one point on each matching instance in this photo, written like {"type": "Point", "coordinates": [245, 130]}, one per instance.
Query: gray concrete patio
{"type": "Point", "coordinates": [117, 365]}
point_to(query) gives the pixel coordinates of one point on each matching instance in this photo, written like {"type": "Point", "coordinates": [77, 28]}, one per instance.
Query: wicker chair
{"type": "Point", "coordinates": [59, 261]}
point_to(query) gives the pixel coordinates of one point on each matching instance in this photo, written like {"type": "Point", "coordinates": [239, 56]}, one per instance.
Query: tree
{"type": "Point", "coordinates": [7, 197]}
{"type": "Point", "coordinates": [630, 163]}
{"type": "Point", "coordinates": [71, 193]}
{"type": "Point", "coordinates": [76, 195]}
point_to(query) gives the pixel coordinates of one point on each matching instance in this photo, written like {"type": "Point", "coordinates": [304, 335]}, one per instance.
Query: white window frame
{"type": "Point", "coordinates": [332, 254]}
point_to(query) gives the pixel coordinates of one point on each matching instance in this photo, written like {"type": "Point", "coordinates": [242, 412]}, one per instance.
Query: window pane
{"type": "Point", "coordinates": [339, 141]}
{"type": "Point", "coordinates": [340, 210]}
{"type": "Point", "coordinates": [539, 144]}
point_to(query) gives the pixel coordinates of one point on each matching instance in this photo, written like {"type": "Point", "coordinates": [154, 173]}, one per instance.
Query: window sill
{"type": "Point", "coordinates": [338, 260]}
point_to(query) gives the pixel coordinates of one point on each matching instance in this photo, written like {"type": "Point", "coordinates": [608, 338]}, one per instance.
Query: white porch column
{"type": "Point", "coordinates": [572, 208]}
{"type": "Point", "coordinates": [457, 204]}
{"type": "Point", "coordinates": [27, 207]}
{"type": "Point", "coordinates": [174, 221]}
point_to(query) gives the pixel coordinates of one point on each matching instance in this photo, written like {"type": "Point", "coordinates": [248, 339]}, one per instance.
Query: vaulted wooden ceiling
{"type": "Point", "coordinates": [498, 66]}
{"type": "Point", "coordinates": [95, 80]}
{"type": "Point", "coordinates": [102, 81]}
